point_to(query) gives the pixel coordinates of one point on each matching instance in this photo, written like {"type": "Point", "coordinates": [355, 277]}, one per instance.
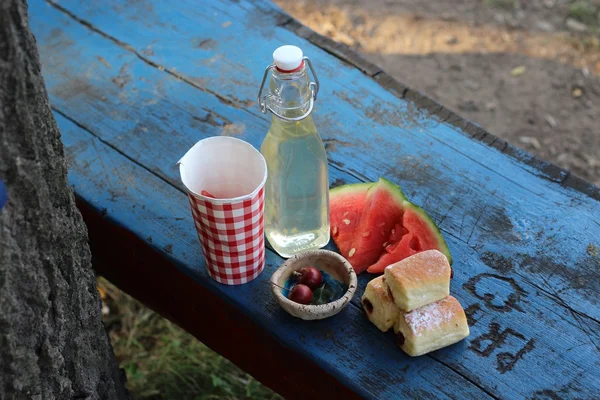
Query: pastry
{"type": "Point", "coordinates": [431, 327]}
{"type": "Point", "coordinates": [419, 279]}
{"type": "Point", "coordinates": [378, 304]}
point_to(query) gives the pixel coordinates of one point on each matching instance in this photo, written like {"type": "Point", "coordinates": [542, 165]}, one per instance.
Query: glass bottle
{"type": "Point", "coordinates": [297, 188]}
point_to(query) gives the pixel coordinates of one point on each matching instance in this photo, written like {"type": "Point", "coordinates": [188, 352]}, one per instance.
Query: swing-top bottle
{"type": "Point", "coordinates": [297, 188]}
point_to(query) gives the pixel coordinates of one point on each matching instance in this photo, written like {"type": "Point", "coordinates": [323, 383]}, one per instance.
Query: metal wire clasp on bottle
{"type": "Point", "coordinates": [264, 101]}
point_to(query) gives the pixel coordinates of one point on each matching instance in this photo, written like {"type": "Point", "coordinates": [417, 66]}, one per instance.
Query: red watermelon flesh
{"type": "Point", "coordinates": [396, 236]}
{"type": "Point", "coordinates": [384, 208]}
{"type": "Point", "coordinates": [416, 233]}
{"type": "Point", "coordinates": [347, 203]}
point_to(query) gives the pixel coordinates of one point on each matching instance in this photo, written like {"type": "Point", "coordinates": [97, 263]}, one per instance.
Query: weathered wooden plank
{"type": "Point", "coordinates": [217, 66]}
{"type": "Point", "coordinates": [126, 195]}
{"type": "Point", "coordinates": [515, 249]}
{"type": "Point", "coordinates": [219, 55]}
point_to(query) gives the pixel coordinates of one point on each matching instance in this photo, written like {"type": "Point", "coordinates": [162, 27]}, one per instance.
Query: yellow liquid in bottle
{"type": "Point", "coordinates": [297, 188]}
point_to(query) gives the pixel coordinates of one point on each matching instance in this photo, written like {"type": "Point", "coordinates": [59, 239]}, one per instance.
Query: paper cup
{"type": "Point", "coordinates": [230, 226]}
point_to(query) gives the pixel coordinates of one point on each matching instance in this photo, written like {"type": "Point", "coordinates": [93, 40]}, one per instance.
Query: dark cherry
{"type": "Point", "coordinates": [309, 276]}
{"type": "Point", "coordinates": [301, 294]}
{"type": "Point", "coordinates": [451, 273]}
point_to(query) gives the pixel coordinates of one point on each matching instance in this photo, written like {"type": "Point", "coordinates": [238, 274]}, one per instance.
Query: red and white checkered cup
{"type": "Point", "coordinates": [230, 225]}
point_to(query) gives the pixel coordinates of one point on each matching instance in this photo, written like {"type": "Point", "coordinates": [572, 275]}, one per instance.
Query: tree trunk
{"type": "Point", "coordinates": [52, 341]}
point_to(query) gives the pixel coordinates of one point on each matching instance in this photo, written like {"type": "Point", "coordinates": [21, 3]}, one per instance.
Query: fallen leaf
{"type": "Point", "coordinates": [575, 25]}
{"type": "Point", "coordinates": [586, 72]}
{"type": "Point", "coordinates": [451, 40]}
{"type": "Point", "coordinates": [591, 161]}
{"type": "Point", "coordinates": [490, 105]}
{"type": "Point", "coordinates": [518, 71]}
{"type": "Point", "coordinates": [551, 121]}
{"type": "Point", "coordinates": [577, 92]}
{"type": "Point", "coordinates": [544, 26]}
{"type": "Point", "coordinates": [531, 141]}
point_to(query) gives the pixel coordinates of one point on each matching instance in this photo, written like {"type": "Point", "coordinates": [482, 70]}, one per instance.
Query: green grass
{"type": "Point", "coordinates": [584, 11]}
{"type": "Point", "coordinates": [164, 362]}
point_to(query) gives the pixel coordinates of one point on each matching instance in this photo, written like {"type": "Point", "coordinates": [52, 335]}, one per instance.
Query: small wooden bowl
{"type": "Point", "coordinates": [332, 263]}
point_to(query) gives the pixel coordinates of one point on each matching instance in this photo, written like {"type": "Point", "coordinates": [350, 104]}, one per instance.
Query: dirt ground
{"type": "Point", "coordinates": [527, 71]}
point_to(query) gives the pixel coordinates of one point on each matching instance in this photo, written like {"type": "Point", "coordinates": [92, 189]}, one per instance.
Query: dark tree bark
{"type": "Point", "coordinates": [52, 341]}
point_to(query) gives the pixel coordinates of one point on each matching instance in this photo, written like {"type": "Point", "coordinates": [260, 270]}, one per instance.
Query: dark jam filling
{"type": "Point", "coordinates": [368, 306]}
{"type": "Point", "coordinates": [400, 339]}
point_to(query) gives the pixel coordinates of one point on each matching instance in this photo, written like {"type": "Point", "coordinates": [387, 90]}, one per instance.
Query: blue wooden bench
{"type": "Point", "coordinates": [135, 84]}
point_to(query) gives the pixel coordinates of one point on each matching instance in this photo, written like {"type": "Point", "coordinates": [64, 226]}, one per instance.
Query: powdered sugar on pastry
{"type": "Point", "coordinates": [428, 317]}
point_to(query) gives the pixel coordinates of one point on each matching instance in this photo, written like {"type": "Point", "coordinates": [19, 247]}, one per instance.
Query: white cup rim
{"type": "Point", "coordinates": [227, 200]}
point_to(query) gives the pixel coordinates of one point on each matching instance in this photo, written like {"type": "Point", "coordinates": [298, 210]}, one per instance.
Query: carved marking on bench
{"type": "Point", "coordinates": [494, 302]}
{"type": "Point", "coordinates": [566, 392]}
{"type": "Point", "coordinates": [505, 360]}
{"type": "Point", "coordinates": [546, 394]}
{"type": "Point", "coordinates": [497, 262]}
{"type": "Point", "coordinates": [495, 337]}
{"type": "Point", "coordinates": [470, 313]}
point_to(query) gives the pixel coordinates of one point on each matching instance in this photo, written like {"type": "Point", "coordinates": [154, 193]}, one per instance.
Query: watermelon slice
{"type": "Point", "coordinates": [383, 209]}
{"type": "Point", "coordinates": [346, 205]}
{"type": "Point", "coordinates": [417, 233]}
{"type": "Point", "coordinates": [373, 226]}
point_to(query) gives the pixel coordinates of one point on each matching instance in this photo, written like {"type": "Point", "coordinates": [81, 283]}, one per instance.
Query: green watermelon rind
{"type": "Point", "coordinates": [394, 189]}
{"type": "Point", "coordinates": [442, 246]}
{"type": "Point", "coordinates": [353, 188]}
{"type": "Point", "coordinates": [350, 188]}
